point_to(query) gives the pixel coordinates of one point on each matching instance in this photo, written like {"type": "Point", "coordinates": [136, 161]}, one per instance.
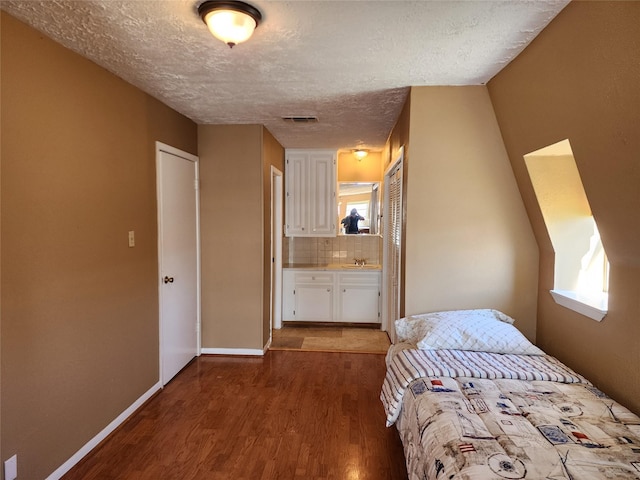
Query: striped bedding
{"type": "Point", "coordinates": [409, 365]}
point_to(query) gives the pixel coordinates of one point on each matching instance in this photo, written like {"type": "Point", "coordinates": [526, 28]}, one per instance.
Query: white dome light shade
{"type": "Point", "coordinates": [230, 21]}
{"type": "Point", "coordinates": [360, 153]}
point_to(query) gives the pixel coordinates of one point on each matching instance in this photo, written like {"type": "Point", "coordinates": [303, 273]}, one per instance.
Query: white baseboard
{"type": "Point", "coordinates": [93, 443]}
{"type": "Point", "coordinates": [232, 351]}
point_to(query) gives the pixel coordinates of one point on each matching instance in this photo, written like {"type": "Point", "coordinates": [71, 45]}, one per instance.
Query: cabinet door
{"type": "Point", "coordinates": [314, 303]}
{"type": "Point", "coordinates": [322, 193]}
{"type": "Point", "coordinates": [358, 297]}
{"type": "Point", "coordinates": [310, 193]}
{"type": "Point", "coordinates": [359, 304]}
{"type": "Point", "coordinates": [297, 186]}
{"type": "Point", "coordinates": [288, 297]}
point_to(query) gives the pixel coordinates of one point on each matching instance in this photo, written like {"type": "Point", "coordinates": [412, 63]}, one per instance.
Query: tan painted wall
{"type": "Point", "coordinates": [350, 169]}
{"type": "Point", "coordinates": [468, 240]}
{"type": "Point", "coordinates": [579, 80]}
{"type": "Point", "coordinates": [272, 154]}
{"type": "Point", "coordinates": [231, 209]}
{"type": "Point", "coordinates": [79, 308]}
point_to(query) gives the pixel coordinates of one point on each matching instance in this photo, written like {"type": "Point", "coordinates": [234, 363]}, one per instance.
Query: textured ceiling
{"type": "Point", "coordinates": [349, 63]}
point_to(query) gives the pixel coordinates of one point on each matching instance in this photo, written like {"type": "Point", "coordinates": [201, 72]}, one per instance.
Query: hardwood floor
{"type": "Point", "coordinates": [287, 415]}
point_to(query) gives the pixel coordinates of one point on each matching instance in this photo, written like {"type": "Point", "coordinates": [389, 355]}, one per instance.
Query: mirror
{"type": "Point", "coordinates": [365, 198]}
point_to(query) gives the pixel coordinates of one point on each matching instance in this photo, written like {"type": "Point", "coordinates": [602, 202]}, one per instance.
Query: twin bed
{"type": "Point", "coordinates": [473, 399]}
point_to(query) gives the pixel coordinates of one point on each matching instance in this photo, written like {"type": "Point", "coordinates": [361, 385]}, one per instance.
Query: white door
{"type": "Point", "coordinates": [178, 252]}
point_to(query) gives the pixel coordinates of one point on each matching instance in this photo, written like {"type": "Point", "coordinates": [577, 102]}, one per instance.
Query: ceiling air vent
{"type": "Point", "coordinates": [300, 119]}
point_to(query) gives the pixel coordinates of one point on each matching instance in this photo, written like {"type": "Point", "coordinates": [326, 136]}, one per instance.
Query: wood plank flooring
{"type": "Point", "coordinates": [288, 415]}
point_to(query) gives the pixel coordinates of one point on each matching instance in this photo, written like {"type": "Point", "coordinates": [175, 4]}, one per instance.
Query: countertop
{"type": "Point", "coordinates": [349, 267]}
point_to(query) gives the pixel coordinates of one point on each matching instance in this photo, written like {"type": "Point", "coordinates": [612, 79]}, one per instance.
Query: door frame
{"type": "Point", "coordinates": [386, 323]}
{"type": "Point", "coordinates": [277, 225]}
{"type": "Point", "coordinates": [161, 147]}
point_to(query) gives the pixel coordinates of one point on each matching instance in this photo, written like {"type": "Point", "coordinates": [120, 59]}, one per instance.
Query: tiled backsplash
{"type": "Point", "coordinates": [324, 251]}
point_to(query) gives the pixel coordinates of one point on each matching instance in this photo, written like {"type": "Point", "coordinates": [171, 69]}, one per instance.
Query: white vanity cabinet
{"type": "Point", "coordinates": [310, 184]}
{"type": "Point", "coordinates": [330, 296]}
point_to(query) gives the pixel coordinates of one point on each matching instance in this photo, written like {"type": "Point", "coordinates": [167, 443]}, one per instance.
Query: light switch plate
{"type": "Point", "coordinates": [132, 238]}
{"type": "Point", "coordinates": [11, 468]}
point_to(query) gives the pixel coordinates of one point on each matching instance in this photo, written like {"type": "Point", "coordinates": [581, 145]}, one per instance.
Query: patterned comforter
{"type": "Point", "coordinates": [477, 415]}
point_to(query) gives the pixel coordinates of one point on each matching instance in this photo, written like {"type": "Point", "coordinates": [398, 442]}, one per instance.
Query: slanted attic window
{"type": "Point", "coordinates": [581, 270]}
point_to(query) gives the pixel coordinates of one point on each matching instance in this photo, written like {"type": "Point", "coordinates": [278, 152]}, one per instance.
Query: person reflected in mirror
{"type": "Point", "coordinates": [350, 222]}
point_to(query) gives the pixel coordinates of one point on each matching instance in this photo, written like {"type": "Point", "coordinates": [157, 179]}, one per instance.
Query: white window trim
{"type": "Point", "coordinates": [594, 307]}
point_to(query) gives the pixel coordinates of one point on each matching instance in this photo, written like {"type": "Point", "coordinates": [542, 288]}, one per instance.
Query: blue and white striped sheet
{"type": "Point", "coordinates": [409, 365]}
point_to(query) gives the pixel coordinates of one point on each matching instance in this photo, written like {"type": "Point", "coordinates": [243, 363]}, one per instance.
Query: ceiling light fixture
{"type": "Point", "coordinates": [360, 153]}
{"type": "Point", "coordinates": [231, 21]}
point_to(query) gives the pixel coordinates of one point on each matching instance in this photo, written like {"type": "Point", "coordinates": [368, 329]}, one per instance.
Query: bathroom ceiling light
{"type": "Point", "coordinates": [231, 21]}
{"type": "Point", "coordinates": [360, 153]}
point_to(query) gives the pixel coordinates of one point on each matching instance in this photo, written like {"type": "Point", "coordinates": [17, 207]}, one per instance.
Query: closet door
{"type": "Point", "coordinates": [178, 248]}
{"type": "Point", "coordinates": [392, 251]}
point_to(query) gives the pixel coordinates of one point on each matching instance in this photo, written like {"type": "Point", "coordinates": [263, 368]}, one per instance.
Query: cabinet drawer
{"type": "Point", "coordinates": [314, 278]}
{"type": "Point", "coordinates": [364, 278]}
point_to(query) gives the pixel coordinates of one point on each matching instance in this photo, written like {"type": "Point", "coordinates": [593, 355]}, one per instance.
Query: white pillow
{"type": "Point", "coordinates": [482, 330]}
{"type": "Point", "coordinates": [413, 328]}
{"type": "Point", "coordinates": [477, 333]}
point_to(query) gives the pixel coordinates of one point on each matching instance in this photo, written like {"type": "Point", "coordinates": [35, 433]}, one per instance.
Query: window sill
{"type": "Point", "coordinates": [592, 307]}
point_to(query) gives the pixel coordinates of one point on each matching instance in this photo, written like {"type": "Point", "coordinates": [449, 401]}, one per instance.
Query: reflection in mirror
{"type": "Point", "coordinates": [365, 198]}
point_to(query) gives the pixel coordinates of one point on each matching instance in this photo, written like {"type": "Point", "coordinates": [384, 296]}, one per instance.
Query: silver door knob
{"type": "Point", "coordinates": [168, 279]}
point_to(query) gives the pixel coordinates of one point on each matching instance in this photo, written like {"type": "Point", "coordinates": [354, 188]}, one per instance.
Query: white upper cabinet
{"type": "Point", "coordinates": [310, 177]}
